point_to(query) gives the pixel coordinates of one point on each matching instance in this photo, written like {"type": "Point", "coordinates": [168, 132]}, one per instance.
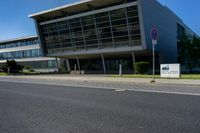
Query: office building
{"type": "Point", "coordinates": [95, 36]}
{"type": "Point", "coordinates": [26, 52]}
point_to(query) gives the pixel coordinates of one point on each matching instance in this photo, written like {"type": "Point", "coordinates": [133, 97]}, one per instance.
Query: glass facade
{"type": "Point", "coordinates": [51, 64]}
{"type": "Point", "coordinates": [23, 54]}
{"type": "Point", "coordinates": [96, 65]}
{"type": "Point", "coordinates": [180, 31]}
{"type": "Point", "coordinates": [19, 43]}
{"type": "Point", "coordinates": [110, 29]}
{"type": "Point", "coordinates": [20, 54]}
{"type": "Point", "coordinates": [180, 34]}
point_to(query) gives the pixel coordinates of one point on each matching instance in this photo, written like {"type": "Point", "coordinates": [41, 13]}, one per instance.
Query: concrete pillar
{"type": "Point", "coordinates": [78, 63]}
{"type": "Point", "coordinates": [120, 70]}
{"type": "Point", "coordinates": [134, 66]}
{"type": "Point", "coordinates": [68, 66]}
{"type": "Point", "coordinates": [58, 63]}
{"type": "Point", "coordinates": [103, 62]}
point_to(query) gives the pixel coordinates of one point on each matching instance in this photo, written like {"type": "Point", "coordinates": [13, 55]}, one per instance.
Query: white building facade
{"type": "Point", "coordinates": [26, 52]}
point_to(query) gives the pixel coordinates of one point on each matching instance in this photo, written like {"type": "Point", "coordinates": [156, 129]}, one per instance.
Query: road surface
{"type": "Point", "coordinates": [32, 108]}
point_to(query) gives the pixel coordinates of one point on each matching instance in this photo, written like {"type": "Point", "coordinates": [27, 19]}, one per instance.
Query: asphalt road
{"type": "Point", "coordinates": [31, 108]}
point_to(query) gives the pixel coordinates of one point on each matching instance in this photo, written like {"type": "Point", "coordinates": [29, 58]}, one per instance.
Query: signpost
{"type": "Point", "coordinates": [170, 70]}
{"type": "Point", "coordinates": [154, 37]}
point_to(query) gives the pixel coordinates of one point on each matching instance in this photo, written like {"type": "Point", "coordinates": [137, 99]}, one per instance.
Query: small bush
{"type": "Point", "coordinates": [142, 67]}
{"type": "Point", "coordinates": [27, 67]}
{"type": "Point", "coordinates": [32, 70]}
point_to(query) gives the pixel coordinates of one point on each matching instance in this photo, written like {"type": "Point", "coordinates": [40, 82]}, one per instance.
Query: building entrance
{"type": "Point", "coordinates": [96, 65]}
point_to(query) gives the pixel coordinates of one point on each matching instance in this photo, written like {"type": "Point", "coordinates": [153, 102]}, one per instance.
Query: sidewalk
{"type": "Point", "coordinates": [172, 86]}
{"type": "Point", "coordinates": [105, 79]}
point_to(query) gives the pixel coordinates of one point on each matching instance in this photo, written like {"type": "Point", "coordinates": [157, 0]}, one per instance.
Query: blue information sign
{"type": "Point", "coordinates": [154, 34]}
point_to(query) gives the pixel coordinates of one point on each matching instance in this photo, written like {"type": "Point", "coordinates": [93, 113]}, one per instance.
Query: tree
{"type": "Point", "coordinates": [12, 66]}
{"type": "Point", "coordinates": [196, 42]}
{"type": "Point", "coordinates": [189, 51]}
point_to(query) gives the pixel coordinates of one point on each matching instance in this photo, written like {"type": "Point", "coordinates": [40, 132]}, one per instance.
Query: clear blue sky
{"type": "Point", "coordinates": [14, 21]}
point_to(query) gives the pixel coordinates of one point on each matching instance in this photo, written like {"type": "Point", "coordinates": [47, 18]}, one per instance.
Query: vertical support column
{"type": "Point", "coordinates": [113, 42]}
{"type": "Point", "coordinates": [57, 26]}
{"type": "Point", "coordinates": [134, 66]}
{"type": "Point", "coordinates": [141, 23]}
{"type": "Point", "coordinates": [97, 32]}
{"type": "Point", "coordinates": [75, 68]}
{"type": "Point", "coordinates": [78, 63]}
{"type": "Point", "coordinates": [72, 36]}
{"type": "Point", "coordinates": [40, 39]}
{"type": "Point", "coordinates": [58, 64]}
{"type": "Point", "coordinates": [83, 34]}
{"type": "Point", "coordinates": [68, 66]}
{"type": "Point", "coordinates": [129, 29]}
{"type": "Point", "coordinates": [103, 62]}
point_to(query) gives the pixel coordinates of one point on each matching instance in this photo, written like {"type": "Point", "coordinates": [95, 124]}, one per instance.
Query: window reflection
{"type": "Point", "coordinates": [114, 28]}
{"type": "Point", "coordinates": [21, 54]}
{"type": "Point", "coordinates": [18, 43]}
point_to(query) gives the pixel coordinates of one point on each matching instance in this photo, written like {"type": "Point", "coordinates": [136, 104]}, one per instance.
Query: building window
{"type": "Point", "coordinates": [114, 28]}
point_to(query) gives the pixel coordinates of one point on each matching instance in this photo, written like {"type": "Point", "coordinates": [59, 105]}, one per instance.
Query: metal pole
{"type": "Point", "coordinates": [153, 62]}
{"type": "Point", "coordinates": [103, 62]}
{"type": "Point", "coordinates": [154, 37]}
{"type": "Point", "coordinates": [134, 65]}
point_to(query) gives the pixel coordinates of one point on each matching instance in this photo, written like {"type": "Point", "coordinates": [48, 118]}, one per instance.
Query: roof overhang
{"type": "Point", "coordinates": [18, 39]}
{"type": "Point", "coordinates": [72, 8]}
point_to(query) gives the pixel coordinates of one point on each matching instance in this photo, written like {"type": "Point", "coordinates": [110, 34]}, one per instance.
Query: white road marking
{"type": "Point", "coordinates": [120, 90]}
{"type": "Point", "coordinates": [166, 92]}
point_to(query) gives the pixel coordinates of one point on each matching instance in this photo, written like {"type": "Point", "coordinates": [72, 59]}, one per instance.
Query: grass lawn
{"type": "Point", "coordinates": [3, 74]}
{"type": "Point", "coordinates": [29, 73]}
{"type": "Point", "coordinates": [136, 76]}
{"type": "Point", "coordinates": [21, 73]}
{"type": "Point", "coordinates": [190, 76]}
{"type": "Point", "coordinates": [183, 76]}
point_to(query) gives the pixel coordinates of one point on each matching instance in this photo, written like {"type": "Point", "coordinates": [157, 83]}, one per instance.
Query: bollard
{"type": "Point", "coordinates": [120, 70]}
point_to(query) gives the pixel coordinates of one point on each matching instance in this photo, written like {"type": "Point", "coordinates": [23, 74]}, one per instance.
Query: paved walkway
{"type": "Point", "coordinates": [106, 79]}
{"type": "Point", "coordinates": [174, 86]}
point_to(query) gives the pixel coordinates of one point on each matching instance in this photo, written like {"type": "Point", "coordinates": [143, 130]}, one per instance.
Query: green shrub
{"type": "Point", "coordinates": [142, 67]}
{"type": "Point", "coordinates": [27, 67]}
{"type": "Point", "coordinates": [32, 70]}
